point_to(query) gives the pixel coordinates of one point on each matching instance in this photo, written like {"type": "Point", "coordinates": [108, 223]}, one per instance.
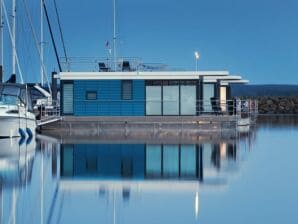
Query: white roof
{"type": "Point", "coordinates": [209, 76]}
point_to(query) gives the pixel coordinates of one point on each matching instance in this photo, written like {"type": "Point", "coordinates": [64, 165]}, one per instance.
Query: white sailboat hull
{"type": "Point", "coordinates": [14, 125]}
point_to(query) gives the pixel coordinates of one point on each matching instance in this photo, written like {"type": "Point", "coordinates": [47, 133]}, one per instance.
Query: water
{"type": "Point", "coordinates": [251, 179]}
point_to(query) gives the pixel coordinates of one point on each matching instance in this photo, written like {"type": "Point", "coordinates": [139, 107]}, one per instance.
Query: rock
{"type": "Point", "coordinates": [269, 102]}
{"type": "Point", "coordinates": [278, 105]}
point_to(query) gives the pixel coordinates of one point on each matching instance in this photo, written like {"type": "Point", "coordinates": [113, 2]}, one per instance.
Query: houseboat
{"type": "Point", "coordinates": [133, 94]}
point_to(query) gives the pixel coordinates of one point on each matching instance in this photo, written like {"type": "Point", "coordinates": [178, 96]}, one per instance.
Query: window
{"type": "Point", "coordinates": [171, 97]}
{"type": "Point", "coordinates": [188, 99]}
{"type": "Point", "coordinates": [153, 100]}
{"type": "Point", "coordinates": [68, 98]}
{"type": "Point", "coordinates": [171, 100]}
{"type": "Point", "coordinates": [126, 90]}
{"type": "Point", "coordinates": [91, 95]}
{"type": "Point", "coordinates": [208, 94]}
{"type": "Point", "coordinates": [35, 94]}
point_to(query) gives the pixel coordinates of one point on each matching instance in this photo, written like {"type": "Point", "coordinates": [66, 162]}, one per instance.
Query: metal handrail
{"type": "Point", "coordinates": [236, 107]}
{"type": "Point", "coordinates": [92, 64]}
{"type": "Point", "coordinates": [48, 111]}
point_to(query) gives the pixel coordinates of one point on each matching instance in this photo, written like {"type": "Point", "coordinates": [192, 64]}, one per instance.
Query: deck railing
{"type": "Point", "coordinates": [236, 107]}
{"type": "Point", "coordinates": [107, 64]}
{"type": "Point", "coordinates": [48, 113]}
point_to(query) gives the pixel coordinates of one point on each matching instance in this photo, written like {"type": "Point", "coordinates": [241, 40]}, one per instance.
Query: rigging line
{"type": "Point", "coordinates": [60, 30]}
{"type": "Point", "coordinates": [36, 43]}
{"type": "Point", "coordinates": [52, 36]}
{"type": "Point", "coordinates": [13, 44]}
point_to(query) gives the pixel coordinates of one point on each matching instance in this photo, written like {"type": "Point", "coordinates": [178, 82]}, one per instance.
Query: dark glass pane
{"type": "Point", "coordinates": [11, 90]}
{"type": "Point", "coordinates": [127, 90]}
{"type": "Point", "coordinates": [91, 95]}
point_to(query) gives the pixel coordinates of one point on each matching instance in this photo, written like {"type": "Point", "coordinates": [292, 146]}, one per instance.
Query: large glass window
{"type": "Point", "coordinates": [188, 165]}
{"type": "Point", "coordinates": [171, 97]}
{"type": "Point", "coordinates": [188, 98]}
{"type": "Point", "coordinates": [126, 90]}
{"type": "Point", "coordinates": [171, 100]}
{"type": "Point", "coordinates": [208, 94]}
{"type": "Point", "coordinates": [153, 100]}
{"type": "Point", "coordinates": [68, 98]}
{"type": "Point", "coordinates": [171, 160]}
{"type": "Point", "coordinates": [153, 160]}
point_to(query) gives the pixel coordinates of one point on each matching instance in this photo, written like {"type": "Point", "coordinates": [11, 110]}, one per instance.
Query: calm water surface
{"type": "Point", "coordinates": [250, 179]}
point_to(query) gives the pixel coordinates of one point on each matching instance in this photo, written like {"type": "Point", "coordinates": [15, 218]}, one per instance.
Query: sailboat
{"type": "Point", "coordinates": [16, 114]}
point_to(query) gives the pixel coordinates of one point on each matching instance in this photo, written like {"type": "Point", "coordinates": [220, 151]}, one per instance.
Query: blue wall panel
{"type": "Point", "coordinates": [109, 102]}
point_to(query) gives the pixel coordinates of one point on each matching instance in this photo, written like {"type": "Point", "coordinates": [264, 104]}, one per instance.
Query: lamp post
{"type": "Point", "coordinates": [197, 57]}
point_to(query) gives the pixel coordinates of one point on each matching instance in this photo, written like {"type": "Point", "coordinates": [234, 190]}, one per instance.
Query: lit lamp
{"type": "Point", "coordinates": [197, 57]}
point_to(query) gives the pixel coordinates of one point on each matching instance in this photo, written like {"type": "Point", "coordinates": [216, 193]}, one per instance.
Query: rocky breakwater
{"type": "Point", "coordinates": [278, 105]}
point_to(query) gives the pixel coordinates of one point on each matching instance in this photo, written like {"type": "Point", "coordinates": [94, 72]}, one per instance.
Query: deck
{"type": "Point", "coordinates": [142, 126]}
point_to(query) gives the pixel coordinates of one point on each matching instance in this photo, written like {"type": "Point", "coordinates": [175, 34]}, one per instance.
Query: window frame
{"type": "Point", "coordinates": [123, 82]}
{"type": "Point", "coordinates": [62, 101]}
{"type": "Point", "coordinates": [90, 92]}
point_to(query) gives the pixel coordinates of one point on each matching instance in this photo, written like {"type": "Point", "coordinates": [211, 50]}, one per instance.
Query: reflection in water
{"type": "Point", "coordinates": [280, 121]}
{"type": "Point", "coordinates": [111, 183]}
{"type": "Point", "coordinates": [145, 161]}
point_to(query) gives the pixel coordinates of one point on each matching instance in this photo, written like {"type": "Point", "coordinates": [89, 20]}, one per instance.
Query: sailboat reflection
{"type": "Point", "coordinates": [16, 165]}
{"type": "Point", "coordinates": [16, 158]}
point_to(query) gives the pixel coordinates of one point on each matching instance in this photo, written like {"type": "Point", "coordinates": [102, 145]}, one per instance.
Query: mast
{"type": "Point", "coordinates": [41, 44]}
{"type": "Point", "coordinates": [16, 58]}
{"type": "Point", "coordinates": [13, 15]}
{"type": "Point", "coordinates": [114, 36]}
{"type": "Point", "coordinates": [1, 42]}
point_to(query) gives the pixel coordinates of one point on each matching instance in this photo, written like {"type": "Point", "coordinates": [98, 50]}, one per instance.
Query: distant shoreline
{"type": "Point", "coordinates": [262, 90]}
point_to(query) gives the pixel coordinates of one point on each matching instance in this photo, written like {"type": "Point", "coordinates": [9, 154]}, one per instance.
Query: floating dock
{"type": "Point", "coordinates": [142, 127]}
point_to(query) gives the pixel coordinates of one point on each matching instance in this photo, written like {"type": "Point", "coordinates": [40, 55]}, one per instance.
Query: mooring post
{"type": "Point", "coordinates": [54, 86]}
{"type": "Point", "coordinates": [1, 74]}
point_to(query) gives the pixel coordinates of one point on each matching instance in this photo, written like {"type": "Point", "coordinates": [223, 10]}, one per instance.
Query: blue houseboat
{"type": "Point", "coordinates": [146, 93]}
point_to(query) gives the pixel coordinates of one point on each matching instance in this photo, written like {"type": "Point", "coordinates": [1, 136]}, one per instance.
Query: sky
{"type": "Point", "coordinates": [257, 39]}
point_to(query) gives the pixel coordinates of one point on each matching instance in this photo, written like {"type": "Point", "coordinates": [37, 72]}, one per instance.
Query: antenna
{"type": "Point", "coordinates": [114, 36]}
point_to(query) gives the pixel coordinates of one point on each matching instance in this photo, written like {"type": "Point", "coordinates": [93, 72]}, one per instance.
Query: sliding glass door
{"type": "Point", "coordinates": [171, 100]}
{"type": "Point", "coordinates": [153, 100]}
{"type": "Point", "coordinates": [188, 98]}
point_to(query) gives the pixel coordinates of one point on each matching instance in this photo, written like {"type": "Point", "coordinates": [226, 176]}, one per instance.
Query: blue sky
{"type": "Point", "coordinates": [257, 39]}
